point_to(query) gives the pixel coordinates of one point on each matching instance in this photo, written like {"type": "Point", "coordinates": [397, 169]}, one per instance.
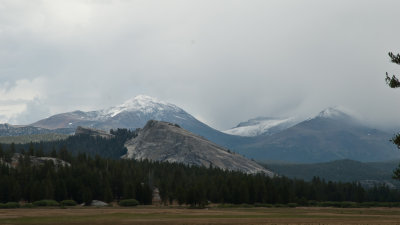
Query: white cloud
{"type": "Point", "coordinates": [225, 61]}
{"type": "Point", "coordinates": [22, 90]}
{"type": "Point", "coordinates": [17, 99]}
{"type": "Point", "coordinates": [9, 111]}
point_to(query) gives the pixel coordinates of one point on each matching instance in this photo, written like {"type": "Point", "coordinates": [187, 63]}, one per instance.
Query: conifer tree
{"type": "Point", "coordinates": [394, 82]}
{"type": "Point", "coordinates": [1, 151]}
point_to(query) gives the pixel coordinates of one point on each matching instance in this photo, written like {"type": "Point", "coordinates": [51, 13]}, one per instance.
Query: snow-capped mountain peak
{"type": "Point", "coordinates": [330, 112]}
{"type": "Point", "coordinates": [141, 103]}
{"type": "Point", "coordinates": [132, 114]}
{"type": "Point", "coordinates": [335, 113]}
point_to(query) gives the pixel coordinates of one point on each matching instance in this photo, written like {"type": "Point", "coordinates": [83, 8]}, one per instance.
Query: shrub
{"type": "Point", "coordinates": [302, 201]}
{"type": "Point", "coordinates": [224, 205]}
{"type": "Point", "coordinates": [312, 203]}
{"type": "Point", "coordinates": [128, 202]}
{"type": "Point", "coordinates": [263, 205]}
{"type": "Point", "coordinates": [329, 204]}
{"type": "Point", "coordinates": [27, 205]}
{"type": "Point", "coordinates": [339, 204]}
{"type": "Point", "coordinates": [68, 203]}
{"type": "Point", "coordinates": [228, 205]}
{"type": "Point", "coordinates": [46, 203]}
{"type": "Point", "coordinates": [9, 205]}
{"type": "Point", "coordinates": [369, 204]}
{"type": "Point", "coordinates": [246, 205]}
{"type": "Point", "coordinates": [292, 205]}
{"type": "Point", "coordinates": [349, 205]}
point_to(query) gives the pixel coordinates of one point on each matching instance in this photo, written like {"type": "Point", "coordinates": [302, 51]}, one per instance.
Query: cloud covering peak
{"type": "Point", "coordinates": [222, 61]}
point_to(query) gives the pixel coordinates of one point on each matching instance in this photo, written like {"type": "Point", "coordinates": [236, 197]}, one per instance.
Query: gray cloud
{"type": "Point", "coordinates": [223, 61]}
{"type": "Point", "coordinates": [35, 110]}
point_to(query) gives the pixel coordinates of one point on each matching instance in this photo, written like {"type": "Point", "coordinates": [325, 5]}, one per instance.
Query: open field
{"type": "Point", "coordinates": [141, 215]}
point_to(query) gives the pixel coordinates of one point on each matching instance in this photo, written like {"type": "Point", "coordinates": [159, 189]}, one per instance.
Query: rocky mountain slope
{"type": "Point", "coordinates": [167, 142]}
{"type": "Point", "coordinates": [261, 126]}
{"type": "Point", "coordinates": [331, 135]}
{"type": "Point", "coordinates": [134, 113]}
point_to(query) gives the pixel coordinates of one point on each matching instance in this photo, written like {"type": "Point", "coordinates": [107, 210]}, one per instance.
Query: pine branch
{"type": "Point", "coordinates": [393, 82]}
{"type": "Point", "coordinates": [394, 58]}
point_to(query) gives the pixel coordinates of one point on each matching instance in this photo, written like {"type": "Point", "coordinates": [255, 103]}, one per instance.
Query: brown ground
{"type": "Point", "coordinates": [163, 215]}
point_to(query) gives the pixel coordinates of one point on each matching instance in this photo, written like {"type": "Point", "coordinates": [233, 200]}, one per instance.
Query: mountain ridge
{"type": "Point", "coordinates": [330, 135]}
{"type": "Point", "coordinates": [324, 138]}
{"type": "Point", "coordinates": [133, 114]}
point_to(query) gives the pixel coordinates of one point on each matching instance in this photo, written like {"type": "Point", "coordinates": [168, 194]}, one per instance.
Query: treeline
{"type": "Point", "coordinates": [109, 180]}
{"type": "Point", "coordinates": [109, 148]}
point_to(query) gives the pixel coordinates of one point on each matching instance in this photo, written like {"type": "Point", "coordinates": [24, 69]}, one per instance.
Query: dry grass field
{"type": "Point", "coordinates": [141, 215]}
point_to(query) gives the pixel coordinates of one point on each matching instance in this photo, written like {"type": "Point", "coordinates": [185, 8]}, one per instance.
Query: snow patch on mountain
{"type": "Point", "coordinates": [337, 112]}
{"type": "Point", "coordinates": [142, 104]}
{"type": "Point", "coordinates": [331, 112]}
{"type": "Point", "coordinates": [261, 125]}
{"type": "Point", "coordinates": [132, 114]}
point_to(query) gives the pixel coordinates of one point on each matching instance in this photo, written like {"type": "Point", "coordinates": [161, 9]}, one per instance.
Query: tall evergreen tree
{"type": "Point", "coordinates": [394, 82]}
{"type": "Point", "coordinates": [1, 151]}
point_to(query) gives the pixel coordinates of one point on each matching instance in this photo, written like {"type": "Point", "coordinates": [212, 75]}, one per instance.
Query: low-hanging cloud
{"type": "Point", "coordinates": [17, 99]}
{"type": "Point", "coordinates": [224, 61]}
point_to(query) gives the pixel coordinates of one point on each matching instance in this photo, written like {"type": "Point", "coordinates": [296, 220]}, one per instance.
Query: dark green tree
{"type": "Point", "coordinates": [31, 150]}
{"type": "Point", "coordinates": [1, 151]}
{"type": "Point", "coordinates": [108, 195]}
{"type": "Point", "coordinates": [87, 195]}
{"type": "Point", "coordinates": [394, 82]}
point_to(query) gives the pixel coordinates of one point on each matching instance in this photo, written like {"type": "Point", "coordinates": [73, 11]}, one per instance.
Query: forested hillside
{"type": "Point", "coordinates": [90, 145]}
{"type": "Point", "coordinates": [108, 179]}
{"type": "Point", "coordinates": [339, 170]}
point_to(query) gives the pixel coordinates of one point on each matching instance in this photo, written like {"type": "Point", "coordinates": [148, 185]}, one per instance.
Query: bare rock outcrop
{"type": "Point", "coordinates": [92, 132]}
{"type": "Point", "coordinates": [34, 161]}
{"type": "Point", "coordinates": [167, 142]}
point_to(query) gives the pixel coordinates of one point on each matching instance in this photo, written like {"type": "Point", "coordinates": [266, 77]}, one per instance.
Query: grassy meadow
{"type": "Point", "coordinates": [164, 215]}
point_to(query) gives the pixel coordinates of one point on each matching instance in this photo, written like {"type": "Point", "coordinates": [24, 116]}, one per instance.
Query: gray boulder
{"type": "Point", "coordinates": [98, 203]}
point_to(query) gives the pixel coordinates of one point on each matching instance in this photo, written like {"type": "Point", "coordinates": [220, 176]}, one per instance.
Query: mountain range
{"type": "Point", "coordinates": [134, 113]}
{"type": "Point", "coordinates": [331, 135]}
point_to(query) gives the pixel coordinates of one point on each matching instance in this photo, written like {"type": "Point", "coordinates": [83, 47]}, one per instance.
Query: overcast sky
{"type": "Point", "coordinates": [222, 61]}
